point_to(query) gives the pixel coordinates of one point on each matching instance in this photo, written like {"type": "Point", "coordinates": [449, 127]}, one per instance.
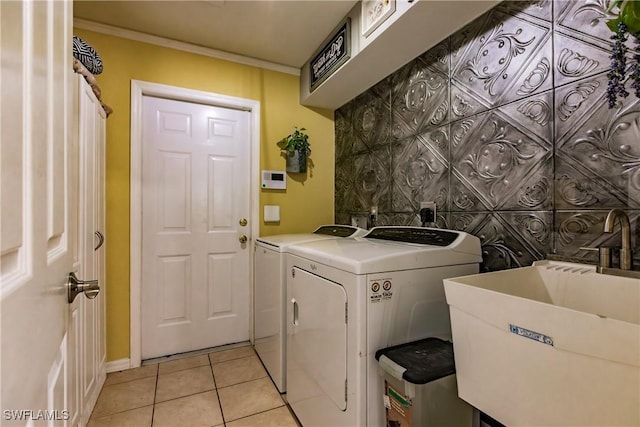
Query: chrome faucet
{"type": "Point", "coordinates": [626, 259]}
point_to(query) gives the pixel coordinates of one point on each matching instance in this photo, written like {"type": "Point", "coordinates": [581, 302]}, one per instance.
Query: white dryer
{"type": "Point", "coordinates": [270, 292]}
{"type": "Point", "coordinates": [348, 298]}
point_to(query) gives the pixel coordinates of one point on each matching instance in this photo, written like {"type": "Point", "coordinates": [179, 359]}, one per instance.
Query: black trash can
{"type": "Point", "coordinates": [420, 386]}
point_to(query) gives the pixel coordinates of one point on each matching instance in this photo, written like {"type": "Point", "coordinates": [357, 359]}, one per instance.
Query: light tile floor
{"type": "Point", "coordinates": [229, 387]}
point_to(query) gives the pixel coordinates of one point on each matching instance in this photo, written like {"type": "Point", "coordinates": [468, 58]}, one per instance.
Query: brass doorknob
{"type": "Point", "coordinates": [243, 222]}
{"type": "Point", "coordinates": [242, 238]}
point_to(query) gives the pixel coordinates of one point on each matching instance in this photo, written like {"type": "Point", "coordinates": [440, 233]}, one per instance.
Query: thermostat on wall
{"type": "Point", "coordinates": [274, 179]}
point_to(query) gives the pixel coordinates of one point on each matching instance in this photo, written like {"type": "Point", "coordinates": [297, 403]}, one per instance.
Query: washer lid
{"type": "Point", "coordinates": [280, 242]}
{"type": "Point", "coordinates": [375, 255]}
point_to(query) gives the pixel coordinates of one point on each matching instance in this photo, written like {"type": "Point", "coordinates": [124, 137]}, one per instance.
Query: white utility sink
{"type": "Point", "coordinates": [554, 344]}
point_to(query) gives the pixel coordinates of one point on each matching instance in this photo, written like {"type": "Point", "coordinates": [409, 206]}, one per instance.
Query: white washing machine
{"type": "Point", "coordinates": [348, 298]}
{"type": "Point", "coordinates": [270, 292]}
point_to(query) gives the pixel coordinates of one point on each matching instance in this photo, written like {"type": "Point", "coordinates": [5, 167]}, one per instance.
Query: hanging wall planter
{"type": "Point", "coordinates": [296, 148]}
{"type": "Point", "coordinates": [296, 161]}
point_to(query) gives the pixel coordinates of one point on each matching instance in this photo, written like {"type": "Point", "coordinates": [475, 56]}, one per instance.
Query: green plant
{"type": "Point", "coordinates": [297, 140]}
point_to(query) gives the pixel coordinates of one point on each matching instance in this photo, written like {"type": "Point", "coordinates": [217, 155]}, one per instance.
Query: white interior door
{"type": "Point", "coordinates": [195, 192]}
{"type": "Point", "coordinates": [38, 218]}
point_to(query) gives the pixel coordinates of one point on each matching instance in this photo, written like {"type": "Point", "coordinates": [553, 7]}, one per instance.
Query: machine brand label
{"type": "Point", "coordinates": [532, 335]}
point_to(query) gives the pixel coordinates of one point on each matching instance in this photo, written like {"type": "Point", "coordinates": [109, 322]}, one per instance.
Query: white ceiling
{"type": "Point", "coordinates": [285, 32]}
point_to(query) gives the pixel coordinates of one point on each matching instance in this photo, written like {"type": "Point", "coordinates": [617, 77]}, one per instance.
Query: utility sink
{"type": "Point", "coordinates": [554, 344]}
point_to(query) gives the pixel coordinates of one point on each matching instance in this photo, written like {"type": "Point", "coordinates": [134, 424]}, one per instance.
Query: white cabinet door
{"type": "Point", "coordinates": [195, 191]}
{"type": "Point", "coordinates": [91, 190]}
{"type": "Point", "coordinates": [316, 343]}
{"type": "Point", "coordinates": [38, 215]}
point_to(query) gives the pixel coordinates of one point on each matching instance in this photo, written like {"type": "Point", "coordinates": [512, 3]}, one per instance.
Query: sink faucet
{"type": "Point", "coordinates": [625, 253]}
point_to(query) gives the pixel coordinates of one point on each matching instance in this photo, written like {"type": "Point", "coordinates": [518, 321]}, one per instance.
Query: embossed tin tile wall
{"type": "Point", "coordinates": [506, 127]}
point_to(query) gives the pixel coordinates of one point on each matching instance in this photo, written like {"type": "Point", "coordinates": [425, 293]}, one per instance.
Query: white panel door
{"type": "Point", "coordinates": [92, 121]}
{"type": "Point", "coordinates": [38, 215]}
{"type": "Point", "coordinates": [195, 191]}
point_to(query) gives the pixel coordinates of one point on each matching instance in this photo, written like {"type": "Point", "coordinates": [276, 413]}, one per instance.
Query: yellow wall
{"type": "Point", "coordinates": [306, 203]}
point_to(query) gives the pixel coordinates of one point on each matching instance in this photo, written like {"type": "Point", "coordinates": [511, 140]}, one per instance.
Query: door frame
{"type": "Point", "coordinates": [138, 90]}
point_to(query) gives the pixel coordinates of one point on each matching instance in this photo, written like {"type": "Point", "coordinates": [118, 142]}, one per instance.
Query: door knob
{"type": "Point", "coordinates": [242, 239]}
{"type": "Point", "coordinates": [76, 286]}
{"type": "Point", "coordinates": [243, 222]}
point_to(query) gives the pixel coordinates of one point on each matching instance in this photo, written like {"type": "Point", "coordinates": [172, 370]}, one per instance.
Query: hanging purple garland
{"type": "Point", "coordinates": [618, 69]}
{"type": "Point", "coordinates": [626, 24]}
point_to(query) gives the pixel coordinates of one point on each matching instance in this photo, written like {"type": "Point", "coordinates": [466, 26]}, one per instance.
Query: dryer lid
{"type": "Point", "coordinates": [374, 255]}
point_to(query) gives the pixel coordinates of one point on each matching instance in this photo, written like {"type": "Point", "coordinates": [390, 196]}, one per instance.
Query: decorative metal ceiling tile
{"type": "Point", "coordinates": [462, 40]}
{"type": "Point", "coordinates": [465, 103]}
{"type": "Point", "coordinates": [371, 122]}
{"type": "Point", "coordinates": [437, 58]}
{"type": "Point", "coordinates": [345, 200]}
{"type": "Point", "coordinates": [420, 173]}
{"type": "Point", "coordinates": [383, 89]}
{"type": "Point", "coordinates": [496, 59]}
{"type": "Point", "coordinates": [461, 198]}
{"type": "Point", "coordinates": [534, 229]}
{"type": "Point", "coordinates": [422, 100]}
{"type": "Point", "coordinates": [577, 188]}
{"type": "Point", "coordinates": [502, 246]}
{"type": "Point", "coordinates": [496, 158]}
{"type": "Point", "coordinates": [535, 192]}
{"type": "Point", "coordinates": [575, 59]}
{"type": "Point", "coordinates": [579, 229]}
{"type": "Point", "coordinates": [372, 180]}
{"type": "Point", "coordinates": [513, 99]}
{"type": "Point", "coordinates": [344, 132]}
{"type": "Point", "coordinates": [541, 9]}
{"type": "Point", "coordinates": [575, 104]}
{"type": "Point", "coordinates": [533, 114]}
{"type": "Point", "coordinates": [343, 218]}
{"type": "Point", "coordinates": [607, 144]}
{"type": "Point", "coordinates": [536, 75]}
{"type": "Point", "coordinates": [437, 139]}
{"type": "Point", "coordinates": [586, 19]}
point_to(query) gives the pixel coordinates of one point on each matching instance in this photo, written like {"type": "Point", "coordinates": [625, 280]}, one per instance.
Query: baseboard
{"type": "Point", "coordinates": [118, 365]}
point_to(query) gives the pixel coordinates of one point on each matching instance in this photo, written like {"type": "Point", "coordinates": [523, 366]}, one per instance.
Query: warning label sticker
{"type": "Point", "coordinates": [380, 289]}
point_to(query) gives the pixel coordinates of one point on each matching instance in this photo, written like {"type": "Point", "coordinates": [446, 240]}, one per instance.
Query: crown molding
{"type": "Point", "coordinates": [182, 46]}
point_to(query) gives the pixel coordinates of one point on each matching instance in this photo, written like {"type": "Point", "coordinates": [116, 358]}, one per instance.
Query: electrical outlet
{"type": "Point", "coordinates": [429, 205]}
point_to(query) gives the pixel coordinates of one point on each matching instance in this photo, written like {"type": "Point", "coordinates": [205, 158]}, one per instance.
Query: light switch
{"type": "Point", "coordinates": [271, 213]}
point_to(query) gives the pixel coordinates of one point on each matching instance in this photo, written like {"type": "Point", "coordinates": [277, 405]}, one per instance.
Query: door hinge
{"type": "Point", "coordinates": [346, 312]}
{"type": "Point", "coordinates": [293, 272]}
{"type": "Point", "coordinates": [345, 391]}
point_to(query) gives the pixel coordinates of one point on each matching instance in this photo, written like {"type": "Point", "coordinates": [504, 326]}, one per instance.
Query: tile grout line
{"type": "Point", "coordinates": [258, 413]}
{"type": "Point", "coordinates": [155, 392]}
{"type": "Point", "coordinates": [215, 387]}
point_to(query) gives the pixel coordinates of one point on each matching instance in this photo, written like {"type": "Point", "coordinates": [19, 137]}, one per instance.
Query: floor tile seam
{"type": "Point", "coordinates": [254, 414]}
{"type": "Point", "coordinates": [186, 395]}
{"type": "Point", "coordinates": [217, 394]}
{"type": "Point", "coordinates": [110, 414]}
{"type": "Point", "coordinates": [233, 360]}
{"type": "Point", "coordinates": [243, 382]}
{"type": "Point", "coordinates": [183, 369]}
{"type": "Point", "coordinates": [155, 392]}
{"type": "Point", "coordinates": [187, 354]}
{"type": "Point", "coordinates": [128, 381]}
